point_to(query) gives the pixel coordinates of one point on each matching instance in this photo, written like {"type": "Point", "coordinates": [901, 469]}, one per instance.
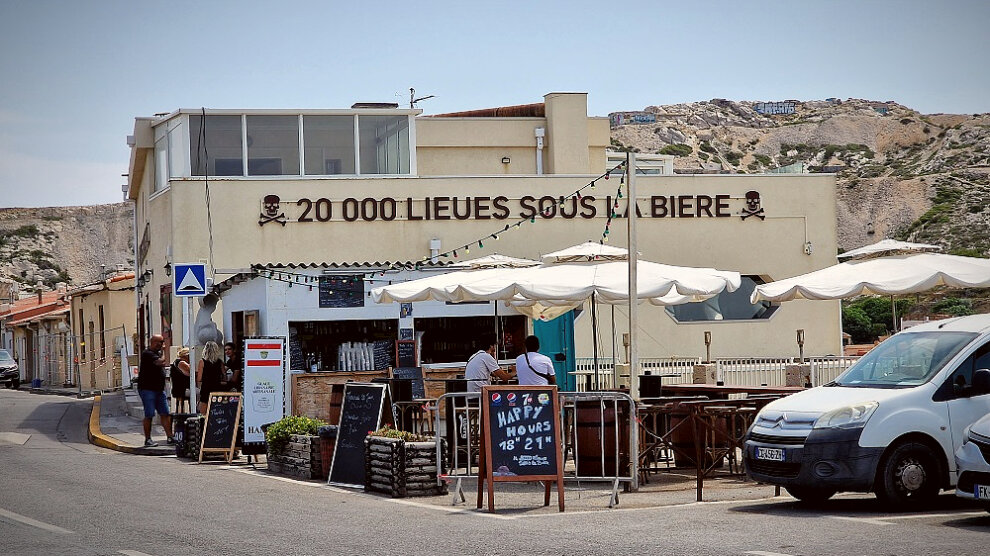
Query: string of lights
{"type": "Point", "coordinates": [614, 210]}
{"type": "Point", "coordinates": [466, 248]}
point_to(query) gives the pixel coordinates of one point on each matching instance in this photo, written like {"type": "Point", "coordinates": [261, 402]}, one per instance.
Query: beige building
{"type": "Point", "coordinates": [102, 317]}
{"type": "Point", "coordinates": [322, 195]}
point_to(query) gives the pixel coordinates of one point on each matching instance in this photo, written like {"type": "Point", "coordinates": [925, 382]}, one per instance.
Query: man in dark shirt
{"type": "Point", "coordinates": [151, 387]}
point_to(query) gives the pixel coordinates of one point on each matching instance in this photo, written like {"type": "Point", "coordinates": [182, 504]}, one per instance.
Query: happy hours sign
{"type": "Point", "coordinates": [523, 431]}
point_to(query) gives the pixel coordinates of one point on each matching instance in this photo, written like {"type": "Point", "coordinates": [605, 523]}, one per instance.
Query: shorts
{"type": "Point", "coordinates": [153, 401]}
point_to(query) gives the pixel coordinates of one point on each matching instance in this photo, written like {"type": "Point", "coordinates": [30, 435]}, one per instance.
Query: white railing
{"type": "Point", "coordinates": [736, 371]}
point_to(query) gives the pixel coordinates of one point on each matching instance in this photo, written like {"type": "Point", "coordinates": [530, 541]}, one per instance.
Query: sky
{"type": "Point", "coordinates": [74, 73]}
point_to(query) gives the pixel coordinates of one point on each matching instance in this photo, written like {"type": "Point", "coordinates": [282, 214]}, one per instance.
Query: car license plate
{"type": "Point", "coordinates": [982, 492]}
{"type": "Point", "coordinates": [770, 454]}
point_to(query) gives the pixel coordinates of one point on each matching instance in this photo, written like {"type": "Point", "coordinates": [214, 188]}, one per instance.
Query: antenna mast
{"type": "Point", "coordinates": [413, 100]}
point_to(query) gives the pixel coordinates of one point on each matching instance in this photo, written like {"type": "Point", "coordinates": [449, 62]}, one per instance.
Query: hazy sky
{"type": "Point", "coordinates": [74, 74]}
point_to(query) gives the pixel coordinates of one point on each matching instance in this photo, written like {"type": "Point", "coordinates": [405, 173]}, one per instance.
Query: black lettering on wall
{"type": "Point", "coordinates": [501, 209]}
{"type": "Point", "coordinates": [440, 207]}
{"type": "Point", "coordinates": [526, 204]}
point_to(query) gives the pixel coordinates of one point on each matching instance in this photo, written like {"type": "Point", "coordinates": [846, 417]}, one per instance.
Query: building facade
{"type": "Point", "coordinates": [290, 210]}
{"type": "Point", "coordinates": [102, 320]}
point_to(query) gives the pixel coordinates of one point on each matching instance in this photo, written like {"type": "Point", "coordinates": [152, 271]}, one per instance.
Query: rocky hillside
{"type": "Point", "coordinates": [901, 174]}
{"type": "Point", "coordinates": [64, 244]}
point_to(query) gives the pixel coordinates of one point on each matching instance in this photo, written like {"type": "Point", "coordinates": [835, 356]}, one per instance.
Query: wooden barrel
{"type": "Point", "coordinates": [682, 438]}
{"type": "Point", "coordinates": [595, 432]}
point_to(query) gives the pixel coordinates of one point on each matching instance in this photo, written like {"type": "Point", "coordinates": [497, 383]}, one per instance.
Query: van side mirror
{"type": "Point", "coordinates": [981, 381]}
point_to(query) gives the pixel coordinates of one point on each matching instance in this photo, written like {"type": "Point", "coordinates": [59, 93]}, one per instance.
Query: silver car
{"type": "Point", "coordinates": [973, 463]}
{"type": "Point", "coordinates": [9, 373]}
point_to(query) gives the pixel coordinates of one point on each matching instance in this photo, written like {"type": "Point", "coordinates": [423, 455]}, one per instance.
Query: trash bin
{"type": "Point", "coordinates": [328, 438]}
{"type": "Point", "coordinates": [35, 383]}
{"type": "Point", "coordinates": [179, 433]}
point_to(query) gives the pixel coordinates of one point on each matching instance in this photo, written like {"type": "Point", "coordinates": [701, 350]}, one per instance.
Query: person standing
{"type": "Point", "coordinates": [534, 368]}
{"type": "Point", "coordinates": [151, 388]}
{"type": "Point", "coordinates": [209, 373]}
{"type": "Point", "coordinates": [179, 371]}
{"type": "Point", "coordinates": [235, 368]}
{"type": "Point", "coordinates": [482, 366]}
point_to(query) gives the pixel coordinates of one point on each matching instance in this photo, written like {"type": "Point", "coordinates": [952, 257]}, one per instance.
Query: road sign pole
{"type": "Point", "coordinates": [193, 353]}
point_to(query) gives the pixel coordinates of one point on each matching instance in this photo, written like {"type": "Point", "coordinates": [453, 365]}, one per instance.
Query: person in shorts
{"type": "Point", "coordinates": [151, 387]}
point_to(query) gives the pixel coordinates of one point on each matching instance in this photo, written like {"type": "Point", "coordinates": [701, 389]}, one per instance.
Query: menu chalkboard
{"type": "Point", "coordinates": [415, 374]}
{"type": "Point", "coordinates": [341, 291]}
{"type": "Point", "coordinates": [383, 353]}
{"type": "Point", "coordinates": [360, 412]}
{"type": "Point", "coordinates": [405, 353]}
{"type": "Point", "coordinates": [520, 438]}
{"type": "Point", "coordinates": [223, 415]}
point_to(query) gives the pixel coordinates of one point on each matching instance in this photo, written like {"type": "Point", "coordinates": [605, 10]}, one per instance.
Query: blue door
{"type": "Point", "coordinates": [557, 343]}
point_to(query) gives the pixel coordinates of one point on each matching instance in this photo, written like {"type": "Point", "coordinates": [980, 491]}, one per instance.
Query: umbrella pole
{"type": "Point", "coordinates": [893, 312]}
{"type": "Point", "coordinates": [594, 339]}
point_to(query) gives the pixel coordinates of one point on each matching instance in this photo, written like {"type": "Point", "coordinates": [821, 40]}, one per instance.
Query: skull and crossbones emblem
{"type": "Point", "coordinates": [753, 207]}
{"type": "Point", "coordinates": [270, 206]}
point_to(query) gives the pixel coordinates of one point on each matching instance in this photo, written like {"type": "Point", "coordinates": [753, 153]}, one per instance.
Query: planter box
{"type": "Point", "coordinates": [399, 468]}
{"type": "Point", "coordinates": [301, 458]}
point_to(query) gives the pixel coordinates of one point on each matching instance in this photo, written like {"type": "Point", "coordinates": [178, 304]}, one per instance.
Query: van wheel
{"type": "Point", "coordinates": [810, 495]}
{"type": "Point", "coordinates": [909, 476]}
{"type": "Point", "coordinates": [15, 384]}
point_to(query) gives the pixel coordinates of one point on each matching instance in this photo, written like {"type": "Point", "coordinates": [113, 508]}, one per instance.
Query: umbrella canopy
{"type": "Point", "coordinates": [900, 274]}
{"type": "Point", "coordinates": [608, 281]}
{"type": "Point", "coordinates": [887, 247]}
{"type": "Point", "coordinates": [435, 287]}
{"type": "Point", "coordinates": [565, 285]}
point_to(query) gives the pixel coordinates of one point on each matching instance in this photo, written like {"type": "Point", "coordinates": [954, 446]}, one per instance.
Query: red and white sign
{"type": "Point", "coordinates": [264, 385]}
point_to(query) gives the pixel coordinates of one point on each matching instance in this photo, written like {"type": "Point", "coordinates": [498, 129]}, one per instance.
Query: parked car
{"type": "Point", "coordinates": [10, 374]}
{"type": "Point", "coordinates": [973, 463]}
{"type": "Point", "coordinates": [890, 424]}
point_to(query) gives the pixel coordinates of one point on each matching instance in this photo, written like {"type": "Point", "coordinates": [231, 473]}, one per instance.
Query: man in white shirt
{"type": "Point", "coordinates": [480, 368]}
{"type": "Point", "coordinates": [534, 368]}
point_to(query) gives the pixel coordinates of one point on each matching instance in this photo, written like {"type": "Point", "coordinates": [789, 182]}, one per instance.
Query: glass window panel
{"type": "Point", "coordinates": [273, 145]}
{"type": "Point", "coordinates": [178, 147]}
{"type": "Point", "coordinates": [384, 144]}
{"type": "Point", "coordinates": [725, 306]}
{"type": "Point", "coordinates": [219, 142]}
{"type": "Point", "coordinates": [161, 164]}
{"type": "Point", "coordinates": [329, 144]}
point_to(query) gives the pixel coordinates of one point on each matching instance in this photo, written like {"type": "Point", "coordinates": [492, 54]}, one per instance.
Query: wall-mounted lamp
{"type": "Point", "coordinates": [140, 282]}
{"type": "Point", "coordinates": [506, 160]}
{"type": "Point", "coordinates": [168, 268]}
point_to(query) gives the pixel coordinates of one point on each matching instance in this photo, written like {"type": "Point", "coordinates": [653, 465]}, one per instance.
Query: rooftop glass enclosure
{"type": "Point", "coordinates": [283, 144]}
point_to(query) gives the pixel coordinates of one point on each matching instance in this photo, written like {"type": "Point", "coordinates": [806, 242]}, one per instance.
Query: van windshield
{"type": "Point", "coordinates": [905, 360]}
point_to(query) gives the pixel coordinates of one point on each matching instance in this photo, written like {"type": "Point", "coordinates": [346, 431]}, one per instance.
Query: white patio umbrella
{"type": "Point", "coordinates": [435, 287]}
{"type": "Point", "coordinates": [887, 247]}
{"type": "Point", "coordinates": [895, 275]}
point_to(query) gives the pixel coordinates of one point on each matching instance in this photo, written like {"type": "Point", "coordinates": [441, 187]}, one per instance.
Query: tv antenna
{"type": "Point", "coordinates": [413, 100]}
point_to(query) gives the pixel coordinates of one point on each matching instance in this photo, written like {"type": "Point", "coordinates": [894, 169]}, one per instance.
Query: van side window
{"type": "Point", "coordinates": [960, 382]}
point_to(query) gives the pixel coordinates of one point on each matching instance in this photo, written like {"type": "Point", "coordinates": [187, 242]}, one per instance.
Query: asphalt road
{"type": "Point", "coordinates": [61, 495]}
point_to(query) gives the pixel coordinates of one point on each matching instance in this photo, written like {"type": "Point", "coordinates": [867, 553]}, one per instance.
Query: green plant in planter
{"type": "Point", "coordinates": [388, 432]}
{"type": "Point", "coordinates": [277, 434]}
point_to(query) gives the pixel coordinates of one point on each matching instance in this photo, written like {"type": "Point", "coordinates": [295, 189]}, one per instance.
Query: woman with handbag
{"type": "Point", "coordinates": [209, 374]}
{"type": "Point", "coordinates": [534, 368]}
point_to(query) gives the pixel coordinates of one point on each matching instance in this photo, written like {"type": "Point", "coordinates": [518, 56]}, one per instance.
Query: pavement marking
{"type": "Point", "coordinates": [14, 438]}
{"type": "Point", "coordinates": [132, 553]}
{"type": "Point", "coordinates": [885, 520]}
{"type": "Point", "coordinates": [762, 553]}
{"type": "Point", "coordinates": [34, 522]}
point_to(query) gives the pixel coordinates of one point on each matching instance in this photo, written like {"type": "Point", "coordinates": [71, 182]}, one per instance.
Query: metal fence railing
{"type": "Point", "coordinates": [87, 363]}
{"type": "Point", "coordinates": [737, 371]}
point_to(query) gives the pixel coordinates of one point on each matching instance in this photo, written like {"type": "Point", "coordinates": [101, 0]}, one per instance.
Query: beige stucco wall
{"type": "Point", "coordinates": [798, 209]}
{"type": "Point", "coordinates": [119, 321]}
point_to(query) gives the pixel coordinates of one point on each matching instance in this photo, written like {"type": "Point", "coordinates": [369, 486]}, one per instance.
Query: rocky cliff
{"type": "Point", "coordinates": [900, 173]}
{"type": "Point", "coordinates": [64, 244]}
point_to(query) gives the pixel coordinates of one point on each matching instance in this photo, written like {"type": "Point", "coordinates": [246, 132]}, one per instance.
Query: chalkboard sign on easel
{"type": "Point", "coordinates": [223, 415]}
{"type": "Point", "coordinates": [360, 412]}
{"type": "Point", "coordinates": [405, 353]}
{"type": "Point", "coordinates": [520, 439]}
{"type": "Point", "coordinates": [415, 375]}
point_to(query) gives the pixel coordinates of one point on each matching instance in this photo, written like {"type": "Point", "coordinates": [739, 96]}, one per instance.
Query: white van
{"type": "Point", "coordinates": [890, 424]}
{"type": "Point", "coordinates": [973, 462]}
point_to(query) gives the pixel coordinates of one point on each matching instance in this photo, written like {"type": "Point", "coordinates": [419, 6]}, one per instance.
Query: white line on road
{"type": "Point", "coordinates": [762, 553]}
{"type": "Point", "coordinates": [34, 522]}
{"type": "Point", "coordinates": [870, 520]}
{"type": "Point", "coordinates": [885, 520]}
{"type": "Point", "coordinates": [132, 553]}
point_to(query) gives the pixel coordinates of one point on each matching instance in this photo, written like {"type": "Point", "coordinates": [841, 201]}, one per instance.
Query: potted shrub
{"type": "Point", "coordinates": [294, 447]}
{"type": "Point", "coordinates": [400, 463]}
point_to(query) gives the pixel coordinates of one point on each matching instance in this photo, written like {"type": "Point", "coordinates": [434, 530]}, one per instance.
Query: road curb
{"type": "Point", "coordinates": [96, 436]}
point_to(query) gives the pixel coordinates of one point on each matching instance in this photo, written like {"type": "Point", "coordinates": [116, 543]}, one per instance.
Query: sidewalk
{"type": "Point", "coordinates": [116, 423]}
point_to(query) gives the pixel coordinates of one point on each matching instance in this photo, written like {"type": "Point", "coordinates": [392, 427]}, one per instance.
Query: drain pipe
{"type": "Point", "coordinates": [539, 133]}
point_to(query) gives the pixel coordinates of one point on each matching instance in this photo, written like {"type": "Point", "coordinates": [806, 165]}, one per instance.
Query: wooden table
{"type": "Point", "coordinates": [722, 392]}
